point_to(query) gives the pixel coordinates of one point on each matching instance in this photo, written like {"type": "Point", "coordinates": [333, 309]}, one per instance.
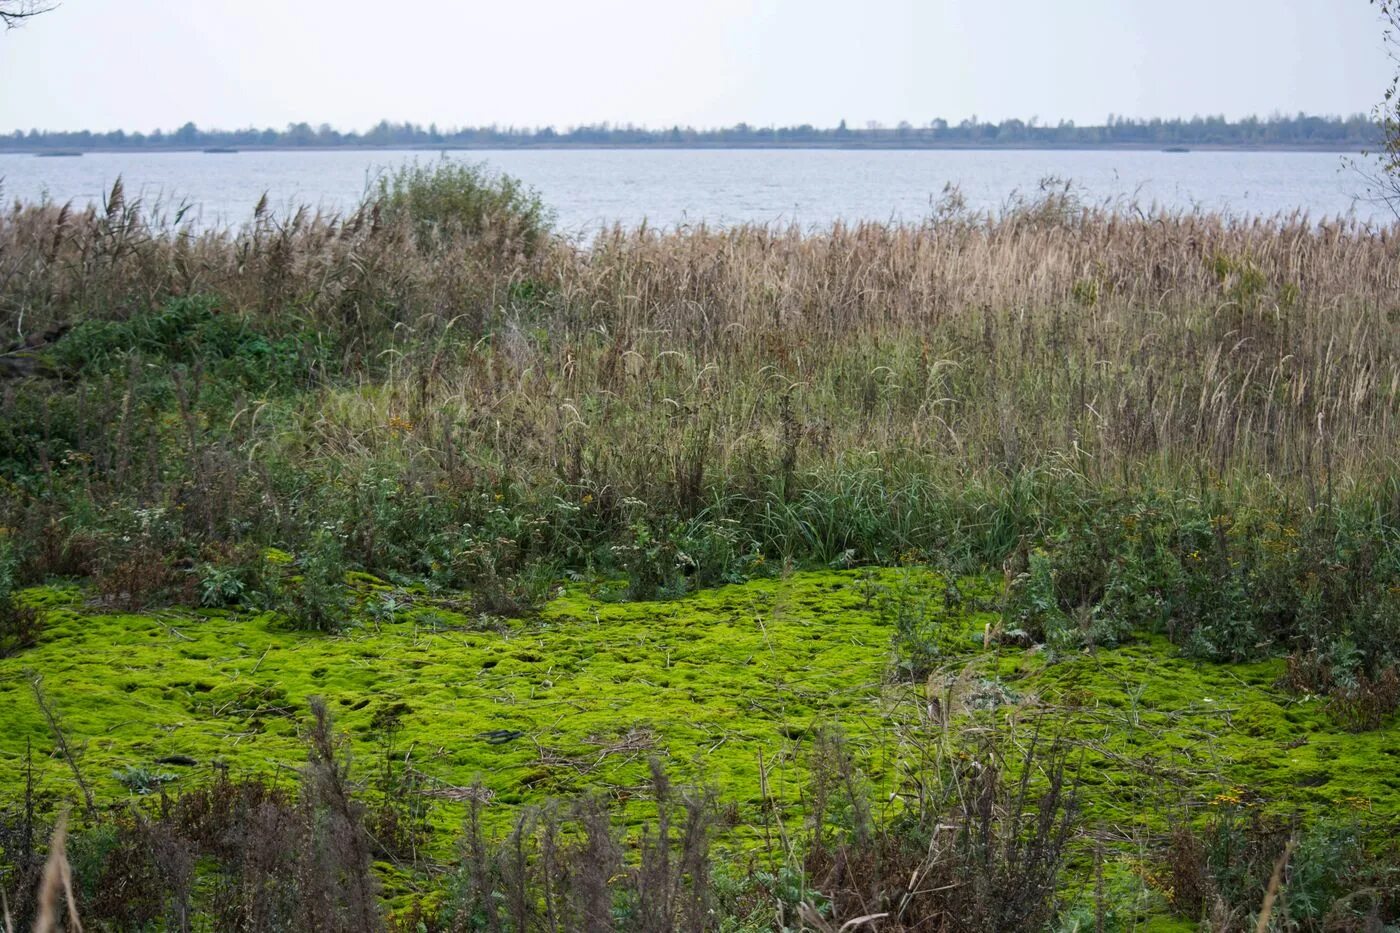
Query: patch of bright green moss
{"type": "Point", "coordinates": [1159, 731]}
{"type": "Point", "coordinates": [717, 684]}
{"type": "Point", "coordinates": [574, 701]}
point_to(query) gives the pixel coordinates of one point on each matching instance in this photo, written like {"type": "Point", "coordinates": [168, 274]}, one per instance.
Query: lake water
{"type": "Point", "coordinates": [589, 188]}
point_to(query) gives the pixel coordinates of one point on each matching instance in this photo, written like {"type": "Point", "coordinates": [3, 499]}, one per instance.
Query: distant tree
{"type": "Point", "coordinates": [300, 134]}
{"type": "Point", "coordinates": [14, 12]}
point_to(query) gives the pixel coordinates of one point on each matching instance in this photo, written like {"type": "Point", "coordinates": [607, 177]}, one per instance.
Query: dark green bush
{"type": "Point", "coordinates": [1336, 874]}
{"type": "Point", "coordinates": [448, 198]}
{"type": "Point", "coordinates": [189, 332]}
{"type": "Point", "coordinates": [1225, 581]}
{"type": "Point", "coordinates": [316, 599]}
{"type": "Point", "coordinates": [20, 625]}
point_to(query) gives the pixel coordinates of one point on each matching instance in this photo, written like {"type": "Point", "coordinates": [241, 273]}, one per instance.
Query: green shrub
{"type": "Point", "coordinates": [664, 557]}
{"type": "Point", "coordinates": [924, 614]}
{"type": "Point", "coordinates": [317, 600]}
{"type": "Point", "coordinates": [190, 331]}
{"type": "Point", "coordinates": [1223, 581]}
{"type": "Point", "coordinates": [1331, 878]}
{"type": "Point", "coordinates": [1327, 878]}
{"type": "Point", "coordinates": [20, 625]}
{"type": "Point", "coordinates": [654, 565]}
{"type": "Point", "coordinates": [234, 576]}
{"type": "Point", "coordinates": [450, 198]}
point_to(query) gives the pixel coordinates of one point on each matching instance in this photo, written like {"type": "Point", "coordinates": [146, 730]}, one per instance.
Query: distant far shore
{"type": "Point", "coordinates": [730, 146]}
{"type": "Point", "coordinates": [1300, 133]}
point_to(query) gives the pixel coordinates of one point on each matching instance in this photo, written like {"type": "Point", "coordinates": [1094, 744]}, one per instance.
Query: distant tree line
{"type": "Point", "coordinates": [1355, 132]}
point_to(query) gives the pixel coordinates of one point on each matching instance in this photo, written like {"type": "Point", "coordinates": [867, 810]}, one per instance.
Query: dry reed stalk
{"type": "Point", "coordinates": [57, 881]}
{"type": "Point", "coordinates": [1266, 909]}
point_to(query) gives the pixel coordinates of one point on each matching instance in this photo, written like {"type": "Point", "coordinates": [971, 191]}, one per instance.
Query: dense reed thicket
{"type": "Point", "coordinates": [1175, 421]}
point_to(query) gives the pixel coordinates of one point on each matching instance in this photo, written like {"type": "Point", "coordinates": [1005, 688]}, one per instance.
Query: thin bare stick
{"type": "Point", "coordinates": [52, 718]}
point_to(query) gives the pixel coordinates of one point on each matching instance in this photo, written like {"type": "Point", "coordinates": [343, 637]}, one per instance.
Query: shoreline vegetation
{"type": "Point", "coordinates": [421, 569]}
{"type": "Point", "coordinates": [1279, 133]}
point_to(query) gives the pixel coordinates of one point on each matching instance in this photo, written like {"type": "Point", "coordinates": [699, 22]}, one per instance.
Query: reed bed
{"type": "Point", "coordinates": [1107, 337]}
{"type": "Point", "coordinates": [954, 389]}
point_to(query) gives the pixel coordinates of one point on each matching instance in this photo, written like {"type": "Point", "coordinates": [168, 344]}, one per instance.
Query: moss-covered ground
{"type": "Point", "coordinates": [576, 699]}
{"type": "Point", "coordinates": [719, 684]}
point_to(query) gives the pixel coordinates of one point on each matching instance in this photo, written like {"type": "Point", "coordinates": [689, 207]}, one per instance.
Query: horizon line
{"type": "Point", "coordinates": [869, 126]}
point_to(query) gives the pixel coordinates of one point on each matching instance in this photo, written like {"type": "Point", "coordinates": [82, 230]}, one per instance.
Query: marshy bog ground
{"type": "Point", "coordinates": [422, 569]}
{"type": "Point", "coordinates": [719, 685]}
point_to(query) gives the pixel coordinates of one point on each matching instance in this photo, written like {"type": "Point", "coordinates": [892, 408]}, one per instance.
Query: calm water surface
{"type": "Point", "coordinates": [590, 188]}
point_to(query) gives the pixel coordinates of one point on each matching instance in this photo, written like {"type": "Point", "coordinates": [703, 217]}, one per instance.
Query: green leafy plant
{"type": "Point", "coordinates": [141, 781]}
{"type": "Point", "coordinates": [20, 625]}
{"type": "Point", "coordinates": [451, 197]}
{"type": "Point", "coordinates": [317, 599]}
{"type": "Point", "coordinates": [220, 586]}
{"type": "Point", "coordinates": [385, 608]}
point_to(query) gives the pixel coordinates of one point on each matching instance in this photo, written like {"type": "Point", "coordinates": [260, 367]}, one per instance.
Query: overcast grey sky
{"type": "Point", "coordinates": [141, 64]}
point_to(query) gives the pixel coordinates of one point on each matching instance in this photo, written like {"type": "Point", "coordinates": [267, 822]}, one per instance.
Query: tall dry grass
{"type": "Point", "coordinates": [356, 275]}
{"type": "Point", "coordinates": [686, 370]}
{"type": "Point", "coordinates": [1265, 338]}
{"type": "Point", "coordinates": [1099, 335]}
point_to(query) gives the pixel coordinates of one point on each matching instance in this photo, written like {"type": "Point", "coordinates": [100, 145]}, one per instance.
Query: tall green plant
{"type": "Point", "coordinates": [450, 198]}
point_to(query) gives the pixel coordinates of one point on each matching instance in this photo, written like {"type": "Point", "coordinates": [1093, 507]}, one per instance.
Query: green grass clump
{"type": "Point", "coordinates": [1222, 580]}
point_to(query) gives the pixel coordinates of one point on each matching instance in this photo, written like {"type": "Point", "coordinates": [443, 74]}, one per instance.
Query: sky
{"type": "Point", "coordinates": [226, 64]}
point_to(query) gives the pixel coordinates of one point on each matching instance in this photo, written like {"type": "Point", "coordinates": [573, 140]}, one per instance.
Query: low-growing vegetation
{"type": "Point", "coordinates": [1050, 559]}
